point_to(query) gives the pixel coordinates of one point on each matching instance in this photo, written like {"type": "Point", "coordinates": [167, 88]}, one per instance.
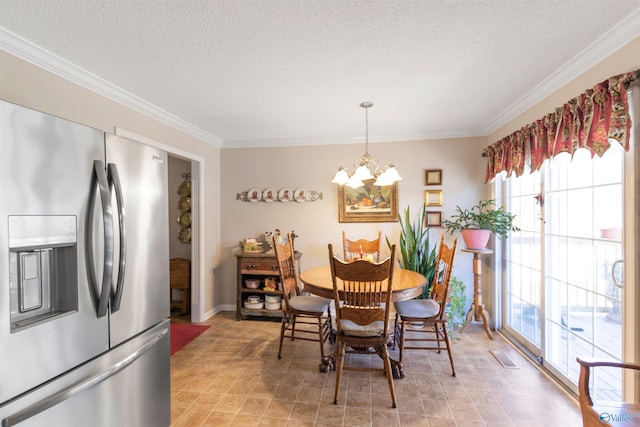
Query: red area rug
{"type": "Point", "coordinates": [183, 333]}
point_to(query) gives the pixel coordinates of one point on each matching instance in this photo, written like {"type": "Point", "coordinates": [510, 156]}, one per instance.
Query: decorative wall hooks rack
{"type": "Point", "coordinates": [283, 195]}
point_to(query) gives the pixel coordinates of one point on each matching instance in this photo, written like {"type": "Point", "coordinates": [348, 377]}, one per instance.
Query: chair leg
{"type": "Point", "coordinates": [340, 362]}
{"type": "Point", "coordinates": [293, 326]}
{"type": "Point", "coordinates": [395, 332]}
{"type": "Point", "coordinates": [321, 336]}
{"type": "Point", "coordinates": [286, 319]}
{"type": "Point", "coordinates": [438, 336]}
{"type": "Point", "coordinates": [332, 337]}
{"type": "Point", "coordinates": [327, 362]}
{"type": "Point", "coordinates": [448, 343]}
{"type": "Point", "coordinates": [401, 346]}
{"type": "Point", "coordinates": [387, 368]}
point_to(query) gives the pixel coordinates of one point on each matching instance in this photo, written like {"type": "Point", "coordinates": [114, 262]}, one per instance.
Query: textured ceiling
{"type": "Point", "coordinates": [293, 72]}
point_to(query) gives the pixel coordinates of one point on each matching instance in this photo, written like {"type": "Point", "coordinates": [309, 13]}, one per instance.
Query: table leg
{"type": "Point", "coordinates": [397, 371]}
{"type": "Point", "coordinates": [485, 320]}
{"type": "Point", "coordinates": [469, 318]}
{"type": "Point", "coordinates": [328, 363]}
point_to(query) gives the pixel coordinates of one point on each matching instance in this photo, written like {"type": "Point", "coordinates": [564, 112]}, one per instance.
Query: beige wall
{"type": "Point", "coordinates": [316, 223]}
{"type": "Point", "coordinates": [30, 86]}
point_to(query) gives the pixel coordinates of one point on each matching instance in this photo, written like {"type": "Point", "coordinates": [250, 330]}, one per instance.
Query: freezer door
{"type": "Point", "coordinates": [48, 322]}
{"type": "Point", "coordinates": [138, 177]}
{"type": "Point", "coordinates": [127, 386]}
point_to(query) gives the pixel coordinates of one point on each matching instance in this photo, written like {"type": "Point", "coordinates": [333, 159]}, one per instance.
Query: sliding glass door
{"type": "Point", "coordinates": [564, 282]}
{"type": "Point", "coordinates": [584, 207]}
{"type": "Point", "coordinates": [523, 265]}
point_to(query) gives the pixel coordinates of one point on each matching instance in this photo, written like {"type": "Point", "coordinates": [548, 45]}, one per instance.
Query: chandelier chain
{"type": "Point", "coordinates": [366, 124]}
{"type": "Point", "coordinates": [366, 106]}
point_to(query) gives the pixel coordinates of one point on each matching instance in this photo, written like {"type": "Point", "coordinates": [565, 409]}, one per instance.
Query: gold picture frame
{"type": "Point", "coordinates": [433, 177]}
{"type": "Point", "coordinates": [370, 203]}
{"type": "Point", "coordinates": [433, 219]}
{"type": "Point", "coordinates": [433, 198]}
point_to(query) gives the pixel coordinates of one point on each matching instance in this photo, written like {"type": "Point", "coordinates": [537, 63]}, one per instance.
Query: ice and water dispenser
{"type": "Point", "coordinates": [43, 268]}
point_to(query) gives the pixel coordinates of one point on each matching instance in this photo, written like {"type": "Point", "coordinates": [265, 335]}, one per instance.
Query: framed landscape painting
{"type": "Point", "coordinates": [370, 203]}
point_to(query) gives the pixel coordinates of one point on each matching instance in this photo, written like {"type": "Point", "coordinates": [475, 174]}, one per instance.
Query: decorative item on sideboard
{"type": "Point", "coordinates": [264, 242]}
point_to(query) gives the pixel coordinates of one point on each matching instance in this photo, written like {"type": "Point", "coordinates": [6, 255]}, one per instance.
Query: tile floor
{"type": "Point", "coordinates": [231, 376]}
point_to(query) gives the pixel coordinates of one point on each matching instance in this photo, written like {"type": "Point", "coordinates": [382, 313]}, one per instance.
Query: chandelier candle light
{"type": "Point", "coordinates": [366, 167]}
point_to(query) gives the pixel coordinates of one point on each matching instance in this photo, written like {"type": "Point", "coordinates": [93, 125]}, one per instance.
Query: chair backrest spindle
{"type": "Point", "coordinates": [285, 254]}
{"type": "Point", "coordinates": [362, 289]}
{"type": "Point", "coordinates": [442, 275]}
{"type": "Point", "coordinates": [361, 248]}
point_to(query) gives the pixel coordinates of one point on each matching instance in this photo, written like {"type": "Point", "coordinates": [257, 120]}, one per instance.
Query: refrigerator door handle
{"type": "Point", "coordinates": [83, 384]}
{"type": "Point", "coordinates": [114, 182]}
{"type": "Point", "coordinates": [107, 218]}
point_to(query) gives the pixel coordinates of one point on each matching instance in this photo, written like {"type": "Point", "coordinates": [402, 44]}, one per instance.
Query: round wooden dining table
{"type": "Point", "coordinates": [407, 285]}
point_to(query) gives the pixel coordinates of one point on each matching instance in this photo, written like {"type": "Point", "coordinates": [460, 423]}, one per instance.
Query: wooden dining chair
{"type": "Point", "coordinates": [428, 313]}
{"type": "Point", "coordinates": [604, 413]}
{"type": "Point", "coordinates": [361, 248]}
{"type": "Point", "coordinates": [362, 292]}
{"type": "Point", "coordinates": [305, 317]}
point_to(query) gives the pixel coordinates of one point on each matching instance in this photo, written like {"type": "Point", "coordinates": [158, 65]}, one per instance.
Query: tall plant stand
{"type": "Point", "coordinates": [477, 311]}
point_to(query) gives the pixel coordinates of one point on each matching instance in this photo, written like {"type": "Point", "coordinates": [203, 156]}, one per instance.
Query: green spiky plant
{"type": "Point", "coordinates": [416, 252]}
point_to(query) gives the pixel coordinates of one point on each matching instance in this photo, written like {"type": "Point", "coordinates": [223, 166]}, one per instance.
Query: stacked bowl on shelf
{"type": "Point", "coordinates": [273, 302]}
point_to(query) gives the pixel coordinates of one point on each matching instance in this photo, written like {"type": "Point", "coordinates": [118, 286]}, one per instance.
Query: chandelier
{"type": "Point", "coordinates": [366, 167]}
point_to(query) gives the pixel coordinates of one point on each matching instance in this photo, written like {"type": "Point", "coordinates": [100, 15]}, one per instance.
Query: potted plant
{"type": "Point", "coordinates": [416, 252]}
{"type": "Point", "coordinates": [477, 223]}
{"type": "Point", "coordinates": [455, 305]}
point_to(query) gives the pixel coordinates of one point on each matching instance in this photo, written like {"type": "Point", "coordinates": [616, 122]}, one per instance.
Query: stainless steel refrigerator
{"type": "Point", "coordinates": [84, 276]}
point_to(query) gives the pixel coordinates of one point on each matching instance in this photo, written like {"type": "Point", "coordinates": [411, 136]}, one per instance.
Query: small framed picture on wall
{"type": "Point", "coordinates": [433, 219]}
{"type": "Point", "coordinates": [433, 197]}
{"type": "Point", "coordinates": [433, 177]}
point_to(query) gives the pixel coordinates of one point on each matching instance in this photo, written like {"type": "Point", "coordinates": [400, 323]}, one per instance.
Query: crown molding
{"type": "Point", "coordinates": [614, 39]}
{"type": "Point", "coordinates": [320, 141]}
{"type": "Point", "coordinates": [40, 57]}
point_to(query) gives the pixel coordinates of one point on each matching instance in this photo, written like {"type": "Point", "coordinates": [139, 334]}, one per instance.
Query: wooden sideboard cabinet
{"type": "Point", "coordinates": [180, 283]}
{"type": "Point", "coordinates": [257, 266]}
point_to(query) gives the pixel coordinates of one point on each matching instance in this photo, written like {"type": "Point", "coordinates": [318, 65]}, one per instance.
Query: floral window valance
{"type": "Point", "coordinates": [586, 121]}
